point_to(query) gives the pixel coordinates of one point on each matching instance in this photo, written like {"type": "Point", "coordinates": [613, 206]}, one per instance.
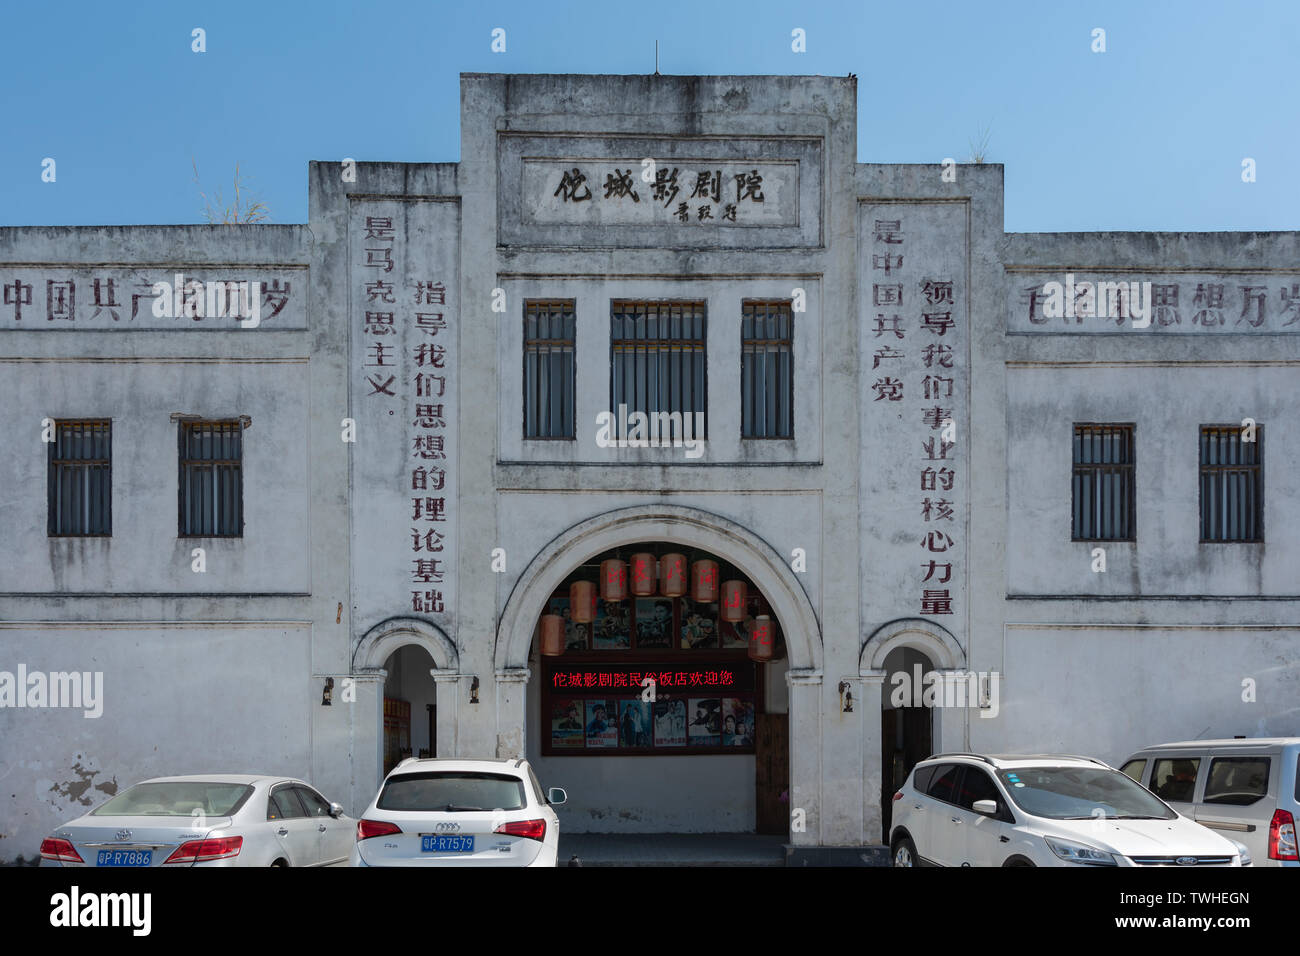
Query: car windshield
{"type": "Point", "coordinates": [452, 792]}
{"type": "Point", "coordinates": [181, 798]}
{"type": "Point", "coordinates": [1081, 793]}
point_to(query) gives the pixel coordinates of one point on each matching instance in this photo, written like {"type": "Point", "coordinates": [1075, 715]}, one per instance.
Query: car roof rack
{"type": "Point", "coordinates": [963, 753]}
{"type": "Point", "coordinates": [1052, 756]}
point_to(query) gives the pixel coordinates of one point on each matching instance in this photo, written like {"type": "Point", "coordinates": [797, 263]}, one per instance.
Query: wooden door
{"type": "Point", "coordinates": [905, 740]}
{"type": "Point", "coordinates": [772, 774]}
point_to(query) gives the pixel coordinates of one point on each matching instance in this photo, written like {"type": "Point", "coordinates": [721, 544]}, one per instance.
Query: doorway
{"type": "Point", "coordinates": [906, 727]}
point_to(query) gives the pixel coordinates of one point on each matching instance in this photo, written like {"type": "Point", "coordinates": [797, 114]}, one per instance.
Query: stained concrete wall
{"type": "Point", "coordinates": [203, 671]}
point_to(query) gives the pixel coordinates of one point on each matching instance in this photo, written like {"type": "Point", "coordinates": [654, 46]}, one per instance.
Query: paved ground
{"type": "Point", "coordinates": [672, 849]}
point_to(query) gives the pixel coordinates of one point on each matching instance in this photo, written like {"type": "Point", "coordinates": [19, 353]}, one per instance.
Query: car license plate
{"type": "Point", "coordinates": [124, 858]}
{"type": "Point", "coordinates": [446, 844]}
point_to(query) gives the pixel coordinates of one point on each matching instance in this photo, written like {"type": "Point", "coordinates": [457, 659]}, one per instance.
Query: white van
{"type": "Point", "coordinates": [1246, 789]}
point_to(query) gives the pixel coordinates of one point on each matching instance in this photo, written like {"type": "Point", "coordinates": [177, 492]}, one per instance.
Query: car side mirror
{"type": "Point", "coordinates": [556, 796]}
{"type": "Point", "coordinates": [987, 807]}
{"type": "Point", "coordinates": [336, 810]}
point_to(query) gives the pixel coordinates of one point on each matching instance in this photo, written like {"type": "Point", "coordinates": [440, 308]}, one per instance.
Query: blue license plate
{"type": "Point", "coordinates": [124, 858]}
{"type": "Point", "coordinates": [446, 844]}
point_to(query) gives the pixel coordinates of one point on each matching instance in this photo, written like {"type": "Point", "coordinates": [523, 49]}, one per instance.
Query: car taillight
{"type": "Point", "coordinates": [60, 850]}
{"type": "Point", "coordinates": [532, 829]}
{"type": "Point", "coordinates": [373, 828]}
{"type": "Point", "coordinates": [200, 851]}
{"type": "Point", "coordinates": [1281, 836]}
{"type": "Point", "coordinates": [898, 795]}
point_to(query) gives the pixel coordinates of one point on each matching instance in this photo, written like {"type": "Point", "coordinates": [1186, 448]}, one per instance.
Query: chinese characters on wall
{"type": "Point", "coordinates": [664, 192]}
{"type": "Point", "coordinates": [916, 348]}
{"type": "Point", "coordinates": [1090, 302]}
{"type": "Point", "coordinates": [403, 334]}
{"type": "Point", "coordinates": [122, 297]}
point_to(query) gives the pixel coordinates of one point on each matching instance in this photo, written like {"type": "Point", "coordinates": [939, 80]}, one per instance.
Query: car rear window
{"type": "Point", "coordinates": [921, 782]}
{"type": "Point", "coordinates": [177, 799]}
{"type": "Point", "coordinates": [1237, 781]}
{"type": "Point", "coordinates": [452, 791]}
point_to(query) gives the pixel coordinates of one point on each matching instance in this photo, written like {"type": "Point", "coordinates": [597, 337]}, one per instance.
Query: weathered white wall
{"type": "Point", "coordinates": [1109, 690]}
{"type": "Point", "coordinates": [178, 698]}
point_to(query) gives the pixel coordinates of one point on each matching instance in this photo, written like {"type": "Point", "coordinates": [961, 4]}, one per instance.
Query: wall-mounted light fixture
{"type": "Point", "coordinates": [846, 697]}
{"type": "Point", "coordinates": [473, 691]}
{"type": "Point", "coordinates": [326, 698]}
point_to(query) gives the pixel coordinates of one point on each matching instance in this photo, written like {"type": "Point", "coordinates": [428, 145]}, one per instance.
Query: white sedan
{"type": "Point", "coordinates": [206, 820]}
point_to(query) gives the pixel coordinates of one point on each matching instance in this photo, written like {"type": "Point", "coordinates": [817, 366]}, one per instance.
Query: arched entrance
{"type": "Point", "coordinates": [420, 667]}
{"type": "Point", "coordinates": [688, 529]}
{"type": "Point", "coordinates": [905, 659]}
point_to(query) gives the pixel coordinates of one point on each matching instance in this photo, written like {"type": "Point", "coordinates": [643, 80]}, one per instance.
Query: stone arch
{"type": "Point", "coordinates": [381, 640]}
{"type": "Point", "coordinates": [933, 640]}
{"type": "Point", "coordinates": [691, 527]}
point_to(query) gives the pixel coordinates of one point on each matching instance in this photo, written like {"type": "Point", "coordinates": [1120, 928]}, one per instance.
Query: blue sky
{"type": "Point", "coordinates": [1150, 134]}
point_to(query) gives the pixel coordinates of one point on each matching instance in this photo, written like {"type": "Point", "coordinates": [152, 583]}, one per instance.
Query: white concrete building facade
{"type": "Point", "coordinates": [315, 535]}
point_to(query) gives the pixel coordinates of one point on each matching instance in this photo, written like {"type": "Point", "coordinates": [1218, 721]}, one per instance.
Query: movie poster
{"type": "Point", "coordinates": [612, 629]}
{"type": "Point", "coordinates": [634, 723]}
{"type": "Point", "coordinates": [737, 722]}
{"type": "Point", "coordinates": [705, 728]}
{"type": "Point", "coordinates": [735, 633]}
{"type": "Point", "coordinates": [654, 622]}
{"type": "Point", "coordinates": [670, 723]}
{"type": "Point", "coordinates": [566, 723]}
{"type": "Point", "coordinates": [602, 724]}
{"type": "Point", "coordinates": [699, 624]}
{"type": "Point", "coordinates": [575, 634]}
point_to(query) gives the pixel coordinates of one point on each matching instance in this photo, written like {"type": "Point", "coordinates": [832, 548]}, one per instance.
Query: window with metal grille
{"type": "Point", "coordinates": [766, 370]}
{"type": "Point", "coordinates": [657, 363]}
{"type": "Point", "coordinates": [211, 493]}
{"type": "Point", "coordinates": [550, 374]}
{"type": "Point", "coordinates": [1103, 483]}
{"type": "Point", "coordinates": [80, 479]}
{"type": "Point", "coordinates": [1232, 484]}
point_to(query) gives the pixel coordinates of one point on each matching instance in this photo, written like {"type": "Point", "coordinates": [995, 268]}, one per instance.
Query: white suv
{"type": "Point", "coordinates": [447, 812]}
{"type": "Point", "coordinates": [963, 809]}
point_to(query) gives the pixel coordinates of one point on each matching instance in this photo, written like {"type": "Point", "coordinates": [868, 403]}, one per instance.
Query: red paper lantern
{"type": "Point", "coordinates": [552, 635]}
{"type": "Point", "coordinates": [704, 581]}
{"type": "Point", "coordinates": [762, 642]}
{"type": "Point", "coordinates": [672, 575]}
{"type": "Point", "coordinates": [735, 597]}
{"type": "Point", "coordinates": [645, 574]}
{"type": "Point", "coordinates": [613, 580]}
{"type": "Point", "coordinates": [582, 602]}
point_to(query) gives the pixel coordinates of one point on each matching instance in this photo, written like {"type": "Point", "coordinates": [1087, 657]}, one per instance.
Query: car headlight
{"type": "Point", "coordinates": [1243, 851]}
{"type": "Point", "coordinates": [1080, 853]}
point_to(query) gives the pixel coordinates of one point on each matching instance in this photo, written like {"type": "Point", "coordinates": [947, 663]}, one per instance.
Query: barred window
{"type": "Point", "coordinates": [550, 374]}
{"type": "Point", "coordinates": [80, 479]}
{"type": "Point", "coordinates": [211, 493]}
{"type": "Point", "coordinates": [657, 361]}
{"type": "Point", "coordinates": [766, 370]}
{"type": "Point", "coordinates": [1232, 484]}
{"type": "Point", "coordinates": [1103, 483]}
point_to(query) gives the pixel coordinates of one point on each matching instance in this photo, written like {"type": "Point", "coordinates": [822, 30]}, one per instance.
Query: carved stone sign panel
{"type": "Point", "coordinates": [681, 192]}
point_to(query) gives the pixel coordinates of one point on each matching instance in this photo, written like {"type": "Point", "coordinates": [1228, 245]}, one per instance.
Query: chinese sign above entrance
{"type": "Point", "coordinates": [632, 191]}
{"type": "Point", "coordinates": [660, 192]}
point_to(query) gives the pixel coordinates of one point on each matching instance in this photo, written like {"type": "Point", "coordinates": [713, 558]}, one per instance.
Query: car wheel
{"type": "Point", "coordinates": [281, 863]}
{"type": "Point", "coordinates": [905, 852]}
